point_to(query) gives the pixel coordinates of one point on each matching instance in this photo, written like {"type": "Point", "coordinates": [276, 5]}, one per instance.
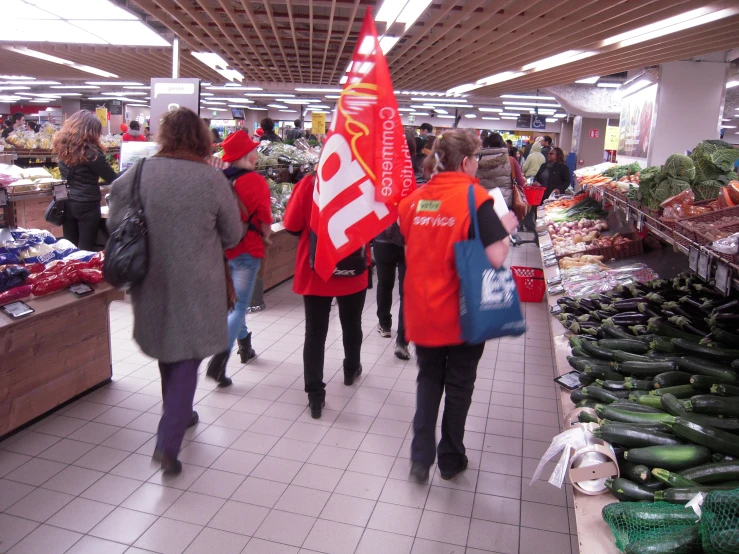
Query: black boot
{"type": "Point", "coordinates": [351, 376]}
{"type": "Point", "coordinates": [245, 350]}
{"type": "Point", "coordinates": [217, 369]}
{"type": "Point", "coordinates": [316, 403]}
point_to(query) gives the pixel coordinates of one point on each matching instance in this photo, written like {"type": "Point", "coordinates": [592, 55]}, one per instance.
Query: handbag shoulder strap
{"type": "Point", "coordinates": [138, 205]}
{"type": "Point", "coordinates": [473, 212]}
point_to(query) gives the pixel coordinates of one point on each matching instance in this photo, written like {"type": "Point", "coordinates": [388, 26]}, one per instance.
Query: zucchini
{"type": "Point", "coordinates": [577, 395]}
{"type": "Point", "coordinates": [672, 405]}
{"type": "Point", "coordinates": [638, 384]}
{"type": "Point", "coordinates": [647, 399]}
{"type": "Point", "coordinates": [647, 369]}
{"type": "Point", "coordinates": [611, 385]}
{"type": "Point", "coordinates": [639, 516]}
{"type": "Point", "coordinates": [673, 457]}
{"type": "Point", "coordinates": [730, 424]}
{"type": "Point", "coordinates": [662, 345]}
{"type": "Point", "coordinates": [603, 374]}
{"type": "Point", "coordinates": [704, 382]}
{"type": "Point", "coordinates": [671, 379]}
{"type": "Point", "coordinates": [601, 395]}
{"type": "Point", "coordinates": [655, 484]}
{"type": "Point", "coordinates": [634, 407]}
{"type": "Point", "coordinates": [680, 391]}
{"type": "Point", "coordinates": [586, 379]}
{"type": "Point", "coordinates": [622, 356]}
{"type": "Point", "coordinates": [713, 405]}
{"type": "Point", "coordinates": [655, 427]}
{"type": "Point", "coordinates": [587, 417]}
{"type": "Point", "coordinates": [715, 439]}
{"type": "Point", "coordinates": [618, 414]}
{"type": "Point", "coordinates": [735, 364]}
{"type": "Point", "coordinates": [685, 495]}
{"type": "Point", "coordinates": [725, 390]}
{"type": "Point", "coordinates": [673, 479]}
{"type": "Point", "coordinates": [724, 540]}
{"type": "Point", "coordinates": [634, 472]}
{"type": "Point", "coordinates": [633, 437]}
{"type": "Point", "coordinates": [704, 367]}
{"type": "Point", "coordinates": [626, 490]}
{"type": "Point", "coordinates": [713, 473]}
{"type": "Point", "coordinates": [592, 349]}
{"type": "Point", "coordinates": [724, 337]}
{"type": "Point", "coordinates": [586, 403]}
{"type": "Point", "coordinates": [614, 332]}
{"type": "Point", "coordinates": [685, 539]}
{"type": "Point", "coordinates": [578, 352]}
{"type": "Point", "coordinates": [624, 345]}
{"type": "Point", "coordinates": [709, 352]}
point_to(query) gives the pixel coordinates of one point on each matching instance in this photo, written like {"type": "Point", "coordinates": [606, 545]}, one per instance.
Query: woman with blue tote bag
{"type": "Point", "coordinates": [434, 219]}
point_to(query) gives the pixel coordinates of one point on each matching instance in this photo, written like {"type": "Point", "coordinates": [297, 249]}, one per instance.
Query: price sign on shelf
{"type": "Point", "coordinates": [693, 259]}
{"type": "Point", "coordinates": [640, 222]}
{"type": "Point", "coordinates": [723, 277]}
{"type": "Point", "coordinates": [704, 265]}
{"type": "Point", "coordinates": [628, 213]}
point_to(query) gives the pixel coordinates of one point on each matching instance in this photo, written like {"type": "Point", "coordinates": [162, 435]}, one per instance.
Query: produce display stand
{"type": "Point", "coordinates": [279, 259]}
{"type": "Point", "coordinates": [54, 354]}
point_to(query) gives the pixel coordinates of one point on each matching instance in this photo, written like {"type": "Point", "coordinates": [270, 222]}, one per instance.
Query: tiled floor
{"type": "Point", "coordinates": [261, 477]}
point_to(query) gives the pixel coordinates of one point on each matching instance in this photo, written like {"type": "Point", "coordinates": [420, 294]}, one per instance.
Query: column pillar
{"type": "Point", "coordinates": [69, 106]}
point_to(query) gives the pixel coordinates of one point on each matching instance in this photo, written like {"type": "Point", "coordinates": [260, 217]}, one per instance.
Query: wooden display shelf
{"type": "Point", "coordinates": [279, 259]}
{"type": "Point", "coordinates": [54, 354]}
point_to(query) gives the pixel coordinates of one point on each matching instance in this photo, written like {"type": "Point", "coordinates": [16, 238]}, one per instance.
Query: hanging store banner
{"type": "Point", "coordinates": [318, 123]}
{"type": "Point", "coordinates": [365, 167]}
{"type": "Point", "coordinates": [611, 138]}
{"type": "Point", "coordinates": [524, 121]}
{"type": "Point", "coordinates": [167, 95]}
{"type": "Point", "coordinates": [635, 125]}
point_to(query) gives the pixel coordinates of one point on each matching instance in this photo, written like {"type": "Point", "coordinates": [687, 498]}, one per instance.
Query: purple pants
{"type": "Point", "coordinates": [178, 390]}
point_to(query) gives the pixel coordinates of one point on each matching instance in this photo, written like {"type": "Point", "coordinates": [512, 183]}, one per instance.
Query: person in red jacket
{"type": "Point", "coordinates": [317, 295]}
{"type": "Point", "coordinates": [432, 219]}
{"type": "Point", "coordinates": [245, 259]}
{"type": "Point", "coordinates": [134, 133]}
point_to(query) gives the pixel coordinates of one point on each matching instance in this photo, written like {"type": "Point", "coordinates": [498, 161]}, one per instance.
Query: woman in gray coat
{"type": "Point", "coordinates": [181, 308]}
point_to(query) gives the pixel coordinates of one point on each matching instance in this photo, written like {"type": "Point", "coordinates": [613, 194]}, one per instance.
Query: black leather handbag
{"type": "Point", "coordinates": [127, 249]}
{"type": "Point", "coordinates": [56, 209]}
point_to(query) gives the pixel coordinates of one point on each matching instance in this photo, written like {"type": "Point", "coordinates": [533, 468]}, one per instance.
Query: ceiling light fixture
{"type": "Point", "coordinates": [17, 77]}
{"type": "Point", "coordinates": [61, 61]}
{"type": "Point", "coordinates": [461, 89]}
{"type": "Point", "coordinates": [401, 11]}
{"type": "Point", "coordinates": [498, 110]}
{"type": "Point", "coordinates": [551, 120]}
{"type": "Point", "coordinates": [514, 114]}
{"type": "Point", "coordinates": [558, 115]}
{"type": "Point", "coordinates": [387, 43]}
{"type": "Point", "coordinates": [123, 93]}
{"type": "Point", "coordinates": [491, 118]}
{"type": "Point", "coordinates": [219, 65]}
{"type": "Point", "coordinates": [419, 113]}
{"type": "Point", "coordinates": [470, 115]}
{"type": "Point", "coordinates": [317, 90]}
{"type": "Point", "coordinates": [237, 87]}
{"type": "Point", "coordinates": [559, 59]}
{"type": "Point", "coordinates": [499, 78]}
{"type": "Point", "coordinates": [76, 87]}
{"type": "Point", "coordinates": [277, 106]}
{"type": "Point", "coordinates": [538, 104]}
{"type": "Point", "coordinates": [113, 83]}
{"type": "Point", "coordinates": [608, 85]}
{"type": "Point", "coordinates": [588, 80]}
{"type": "Point", "coordinates": [269, 95]}
{"type": "Point", "coordinates": [509, 117]}
{"type": "Point", "coordinates": [527, 97]}
{"type": "Point", "coordinates": [732, 84]}
{"type": "Point", "coordinates": [446, 116]}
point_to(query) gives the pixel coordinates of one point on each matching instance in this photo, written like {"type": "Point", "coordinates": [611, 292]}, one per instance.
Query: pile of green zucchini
{"type": "Point", "coordinates": [659, 365]}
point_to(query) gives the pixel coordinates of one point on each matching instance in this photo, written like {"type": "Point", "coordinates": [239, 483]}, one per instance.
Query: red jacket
{"type": "Point", "coordinates": [253, 191]}
{"type": "Point", "coordinates": [130, 138]}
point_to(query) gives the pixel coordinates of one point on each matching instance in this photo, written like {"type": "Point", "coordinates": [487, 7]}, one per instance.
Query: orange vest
{"type": "Point", "coordinates": [432, 219]}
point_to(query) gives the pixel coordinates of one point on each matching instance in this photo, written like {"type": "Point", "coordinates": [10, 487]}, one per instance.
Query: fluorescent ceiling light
{"type": "Point", "coordinates": [289, 111]}
{"type": "Point", "coordinates": [498, 110]}
{"type": "Point", "coordinates": [412, 11]}
{"type": "Point", "coordinates": [17, 87]}
{"type": "Point", "coordinates": [470, 116]}
{"type": "Point", "coordinates": [138, 87]}
{"type": "Point", "coordinates": [732, 84]}
{"type": "Point", "coordinates": [60, 61]}
{"type": "Point", "coordinates": [499, 78]}
{"type": "Point", "coordinates": [514, 114]}
{"type": "Point", "coordinates": [76, 87]}
{"type": "Point", "coordinates": [608, 85]}
{"type": "Point", "coordinates": [686, 20]}
{"type": "Point", "coordinates": [139, 105]}
{"type": "Point", "coordinates": [332, 97]}
{"type": "Point", "coordinates": [42, 101]}
{"type": "Point", "coordinates": [238, 87]}
{"type": "Point", "coordinates": [206, 94]}
{"type": "Point", "coordinates": [527, 97]}
{"type": "Point", "coordinates": [632, 87]}
{"type": "Point", "coordinates": [113, 83]}
{"type": "Point", "coordinates": [317, 90]}
{"type": "Point", "coordinates": [343, 80]}
{"type": "Point", "coordinates": [547, 112]}
{"type": "Point", "coordinates": [44, 94]}
{"type": "Point", "coordinates": [588, 80]}
{"type": "Point", "coordinates": [123, 93]}
{"type": "Point", "coordinates": [419, 113]}
{"type": "Point", "coordinates": [214, 102]}
{"type": "Point", "coordinates": [559, 59]}
{"type": "Point", "coordinates": [218, 64]}
{"type": "Point", "coordinates": [238, 106]}
{"type": "Point", "coordinates": [491, 118]}
{"type": "Point", "coordinates": [551, 120]}
{"type": "Point", "coordinates": [277, 106]}
{"type": "Point", "coordinates": [269, 95]}
{"type": "Point", "coordinates": [256, 109]}
{"type": "Point", "coordinates": [387, 43]}
{"type": "Point", "coordinates": [321, 106]}
{"type": "Point", "coordinates": [722, 126]}
{"type": "Point", "coordinates": [17, 77]}
{"type": "Point", "coordinates": [317, 111]}
{"type": "Point", "coordinates": [725, 119]}
{"type": "Point", "coordinates": [446, 116]}
{"type": "Point", "coordinates": [439, 110]}
{"type": "Point", "coordinates": [440, 100]}
{"type": "Point", "coordinates": [298, 101]}
{"type": "Point", "coordinates": [461, 89]}
{"type": "Point", "coordinates": [406, 110]}
{"type": "Point", "coordinates": [558, 115]}
{"type": "Point", "coordinates": [128, 33]}
{"type": "Point", "coordinates": [508, 117]}
{"type": "Point", "coordinates": [539, 104]}
{"type": "Point", "coordinates": [33, 83]}
{"type": "Point", "coordinates": [390, 10]}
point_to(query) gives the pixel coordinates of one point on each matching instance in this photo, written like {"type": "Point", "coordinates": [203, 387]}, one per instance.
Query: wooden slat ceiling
{"type": "Point", "coordinates": [310, 42]}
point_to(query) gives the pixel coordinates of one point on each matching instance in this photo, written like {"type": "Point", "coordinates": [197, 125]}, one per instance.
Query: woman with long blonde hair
{"type": "Point", "coordinates": [82, 163]}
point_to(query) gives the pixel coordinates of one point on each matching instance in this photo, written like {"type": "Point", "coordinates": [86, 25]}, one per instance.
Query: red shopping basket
{"type": "Point", "coordinates": [529, 282]}
{"type": "Point", "coordinates": [534, 194]}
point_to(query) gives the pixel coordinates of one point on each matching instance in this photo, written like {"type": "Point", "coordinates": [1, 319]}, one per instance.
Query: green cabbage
{"type": "Point", "coordinates": [680, 167]}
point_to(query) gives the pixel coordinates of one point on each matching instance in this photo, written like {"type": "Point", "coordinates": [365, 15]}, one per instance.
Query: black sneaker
{"type": "Point", "coordinates": [419, 472]}
{"type": "Point", "coordinates": [171, 466]}
{"type": "Point", "coordinates": [349, 378]}
{"type": "Point", "coordinates": [194, 418]}
{"type": "Point", "coordinates": [385, 332]}
{"type": "Point", "coordinates": [401, 351]}
{"type": "Point", "coordinates": [315, 409]}
{"type": "Point", "coordinates": [446, 475]}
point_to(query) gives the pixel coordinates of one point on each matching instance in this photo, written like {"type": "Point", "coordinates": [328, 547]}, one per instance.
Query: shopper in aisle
{"type": "Point", "coordinates": [297, 132]}
{"type": "Point", "coordinates": [546, 146]}
{"type": "Point", "coordinates": [253, 199]}
{"type": "Point", "coordinates": [497, 169]}
{"type": "Point", "coordinates": [554, 175]}
{"type": "Point", "coordinates": [389, 254]}
{"type": "Point", "coordinates": [82, 163]}
{"type": "Point", "coordinates": [15, 122]}
{"type": "Point", "coordinates": [134, 133]}
{"type": "Point", "coordinates": [147, 133]}
{"type": "Point", "coordinates": [268, 126]}
{"type": "Point", "coordinates": [445, 363]}
{"type": "Point", "coordinates": [509, 144]}
{"type": "Point", "coordinates": [527, 147]}
{"type": "Point", "coordinates": [534, 161]}
{"type": "Point", "coordinates": [180, 308]}
{"type": "Point", "coordinates": [317, 295]}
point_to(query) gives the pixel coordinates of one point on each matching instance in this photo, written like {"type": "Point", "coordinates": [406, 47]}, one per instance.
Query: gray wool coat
{"type": "Point", "coordinates": [180, 308]}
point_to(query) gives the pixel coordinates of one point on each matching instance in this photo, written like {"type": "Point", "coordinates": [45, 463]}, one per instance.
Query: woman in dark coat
{"type": "Point", "coordinates": [554, 174]}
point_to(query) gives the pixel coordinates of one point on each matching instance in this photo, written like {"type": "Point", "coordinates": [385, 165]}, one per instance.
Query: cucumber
{"type": "Point", "coordinates": [672, 405]}
{"type": "Point", "coordinates": [638, 384]}
{"type": "Point", "coordinates": [624, 345]}
{"type": "Point", "coordinates": [673, 479]}
{"type": "Point", "coordinates": [601, 395]}
{"type": "Point", "coordinates": [685, 495]}
{"type": "Point", "coordinates": [672, 457]}
{"type": "Point", "coordinates": [626, 490]}
{"type": "Point", "coordinates": [655, 484]}
{"type": "Point", "coordinates": [714, 405]}
{"type": "Point", "coordinates": [596, 351]}
{"type": "Point", "coordinates": [671, 379]}
{"type": "Point", "coordinates": [617, 414]}
{"type": "Point", "coordinates": [634, 472]}
{"type": "Point", "coordinates": [685, 539]}
{"type": "Point", "coordinates": [713, 473]}
{"type": "Point", "coordinates": [649, 400]}
{"type": "Point", "coordinates": [725, 540]}
{"type": "Point", "coordinates": [708, 352]}
{"type": "Point", "coordinates": [633, 437]}
{"type": "Point", "coordinates": [680, 391]}
{"type": "Point", "coordinates": [622, 356]}
{"type": "Point", "coordinates": [715, 439]}
{"type": "Point", "coordinates": [725, 390]}
{"type": "Point", "coordinates": [587, 417]}
{"type": "Point", "coordinates": [647, 369]}
{"type": "Point", "coordinates": [704, 367]}
{"type": "Point", "coordinates": [704, 383]}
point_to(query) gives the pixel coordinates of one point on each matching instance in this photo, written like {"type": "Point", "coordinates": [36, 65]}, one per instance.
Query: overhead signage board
{"type": "Point", "coordinates": [524, 121]}
{"type": "Point", "coordinates": [635, 123]}
{"type": "Point", "coordinates": [611, 138]}
{"type": "Point", "coordinates": [168, 95]}
{"type": "Point", "coordinates": [318, 123]}
{"type": "Point", "coordinates": [539, 122]}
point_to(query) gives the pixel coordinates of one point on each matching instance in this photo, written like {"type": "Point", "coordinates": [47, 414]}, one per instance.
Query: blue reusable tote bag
{"type": "Point", "coordinates": [489, 306]}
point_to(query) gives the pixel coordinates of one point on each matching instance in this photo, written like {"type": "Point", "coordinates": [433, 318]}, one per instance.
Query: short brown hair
{"type": "Point", "coordinates": [183, 134]}
{"type": "Point", "coordinates": [560, 155]}
{"type": "Point", "coordinates": [79, 134]}
{"type": "Point", "coordinates": [450, 150]}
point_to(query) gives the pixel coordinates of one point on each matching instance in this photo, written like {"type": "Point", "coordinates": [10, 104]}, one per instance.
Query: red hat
{"type": "Point", "coordinates": [237, 145]}
{"type": "Point", "coordinates": [259, 132]}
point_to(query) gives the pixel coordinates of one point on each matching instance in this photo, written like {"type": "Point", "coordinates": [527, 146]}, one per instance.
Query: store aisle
{"type": "Point", "coordinates": [261, 477]}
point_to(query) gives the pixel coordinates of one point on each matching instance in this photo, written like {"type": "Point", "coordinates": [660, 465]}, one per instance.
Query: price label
{"type": "Point", "coordinates": [640, 222]}
{"type": "Point", "coordinates": [3, 198]}
{"type": "Point", "coordinates": [559, 289]}
{"type": "Point", "coordinates": [556, 280]}
{"type": "Point", "coordinates": [693, 258]}
{"type": "Point", "coordinates": [550, 263]}
{"type": "Point", "coordinates": [628, 214]}
{"type": "Point", "coordinates": [704, 266]}
{"type": "Point", "coordinates": [723, 278]}
{"type": "Point", "coordinates": [60, 192]}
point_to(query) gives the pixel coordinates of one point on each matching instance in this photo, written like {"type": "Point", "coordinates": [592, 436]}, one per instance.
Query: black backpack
{"type": "Point", "coordinates": [353, 265]}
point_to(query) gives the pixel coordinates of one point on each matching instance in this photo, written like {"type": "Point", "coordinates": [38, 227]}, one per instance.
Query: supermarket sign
{"type": "Point", "coordinates": [168, 95]}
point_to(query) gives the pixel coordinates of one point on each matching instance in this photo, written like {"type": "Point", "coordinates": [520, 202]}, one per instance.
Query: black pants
{"type": "Point", "coordinates": [389, 256]}
{"type": "Point", "coordinates": [81, 223]}
{"type": "Point", "coordinates": [317, 311]}
{"type": "Point", "coordinates": [450, 368]}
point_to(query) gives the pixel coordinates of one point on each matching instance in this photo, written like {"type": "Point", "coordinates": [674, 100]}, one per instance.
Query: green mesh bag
{"type": "Point", "coordinates": [720, 522]}
{"type": "Point", "coordinates": [645, 527]}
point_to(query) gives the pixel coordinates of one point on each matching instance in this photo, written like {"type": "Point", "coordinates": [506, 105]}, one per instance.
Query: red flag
{"type": "Point", "coordinates": [365, 167]}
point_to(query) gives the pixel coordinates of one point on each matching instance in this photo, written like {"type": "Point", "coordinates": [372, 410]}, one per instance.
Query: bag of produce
{"type": "Point", "coordinates": [64, 248]}
{"type": "Point", "coordinates": [12, 277]}
{"type": "Point", "coordinates": [15, 294]}
{"type": "Point", "coordinates": [38, 253]}
{"type": "Point", "coordinates": [49, 284]}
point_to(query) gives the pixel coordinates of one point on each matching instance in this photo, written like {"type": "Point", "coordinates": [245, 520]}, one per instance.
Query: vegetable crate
{"type": "Point", "coordinates": [530, 283]}
{"type": "Point", "coordinates": [684, 228]}
{"type": "Point", "coordinates": [534, 195]}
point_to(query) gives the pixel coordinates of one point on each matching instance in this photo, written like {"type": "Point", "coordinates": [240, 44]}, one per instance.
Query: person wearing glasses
{"type": "Point", "coordinates": [438, 214]}
{"type": "Point", "coordinates": [554, 174]}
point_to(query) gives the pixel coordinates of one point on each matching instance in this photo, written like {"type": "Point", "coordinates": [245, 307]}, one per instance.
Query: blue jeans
{"type": "Point", "coordinates": [244, 269]}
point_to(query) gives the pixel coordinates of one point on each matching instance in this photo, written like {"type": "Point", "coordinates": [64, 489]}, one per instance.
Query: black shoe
{"type": "Point", "coordinates": [385, 332]}
{"type": "Point", "coordinates": [446, 475]}
{"type": "Point", "coordinates": [171, 466]}
{"type": "Point", "coordinates": [217, 369]}
{"type": "Point", "coordinates": [315, 408]}
{"type": "Point", "coordinates": [194, 418]}
{"type": "Point", "coordinates": [401, 351]}
{"type": "Point", "coordinates": [246, 352]}
{"type": "Point", "coordinates": [419, 472]}
{"type": "Point", "coordinates": [350, 377]}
